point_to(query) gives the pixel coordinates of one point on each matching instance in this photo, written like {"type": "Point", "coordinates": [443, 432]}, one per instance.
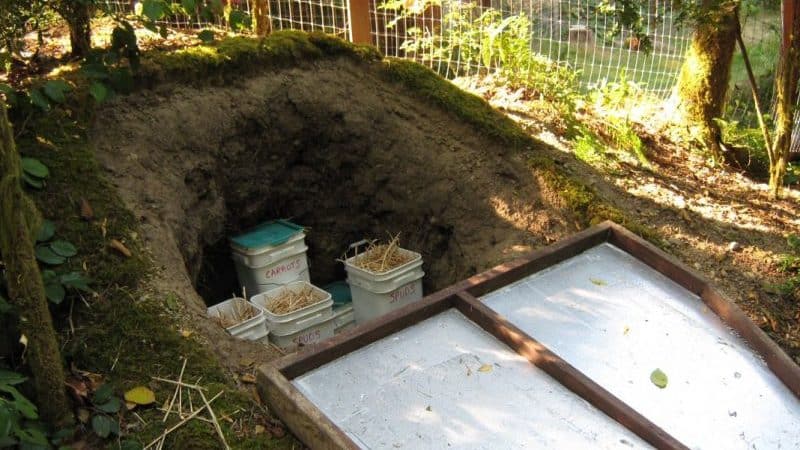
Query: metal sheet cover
{"type": "Point", "coordinates": [446, 383]}
{"type": "Point", "coordinates": [617, 320]}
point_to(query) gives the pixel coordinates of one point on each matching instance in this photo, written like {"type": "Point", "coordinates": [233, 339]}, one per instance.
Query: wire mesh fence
{"type": "Point", "coordinates": [328, 16]}
{"type": "Point", "coordinates": [459, 38]}
{"type": "Point", "coordinates": [577, 34]}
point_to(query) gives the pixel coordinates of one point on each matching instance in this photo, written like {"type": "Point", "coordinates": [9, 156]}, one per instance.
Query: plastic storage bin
{"type": "Point", "coordinates": [253, 329]}
{"type": "Point", "coordinates": [375, 294]}
{"type": "Point", "coordinates": [269, 256]}
{"type": "Point", "coordinates": [302, 327]}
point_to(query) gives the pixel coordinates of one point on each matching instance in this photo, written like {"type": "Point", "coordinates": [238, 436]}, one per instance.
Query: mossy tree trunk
{"type": "Point", "coordinates": [18, 221]}
{"type": "Point", "coordinates": [786, 84]}
{"type": "Point", "coordinates": [78, 15]}
{"type": "Point", "coordinates": [704, 77]}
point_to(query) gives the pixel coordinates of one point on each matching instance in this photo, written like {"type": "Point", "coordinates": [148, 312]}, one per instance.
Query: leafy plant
{"type": "Point", "coordinates": [55, 252]}
{"type": "Point", "coordinates": [789, 263]}
{"type": "Point", "coordinates": [588, 147]}
{"type": "Point", "coordinates": [479, 39]}
{"type": "Point", "coordinates": [18, 414]}
{"type": "Point", "coordinates": [34, 172]}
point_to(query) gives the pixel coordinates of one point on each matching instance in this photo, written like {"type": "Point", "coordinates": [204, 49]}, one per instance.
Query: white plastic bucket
{"type": "Point", "coordinates": [307, 336]}
{"type": "Point", "coordinates": [268, 267]}
{"type": "Point", "coordinates": [253, 329]}
{"type": "Point", "coordinates": [295, 321]}
{"type": "Point", "coordinates": [343, 318]}
{"type": "Point", "coordinates": [376, 294]}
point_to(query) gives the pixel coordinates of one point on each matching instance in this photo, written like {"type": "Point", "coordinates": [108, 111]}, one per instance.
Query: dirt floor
{"type": "Point", "coordinates": [718, 220]}
{"type": "Point", "coordinates": [331, 147]}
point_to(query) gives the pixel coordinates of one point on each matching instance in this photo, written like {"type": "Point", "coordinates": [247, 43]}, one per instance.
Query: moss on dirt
{"type": "Point", "coordinates": [124, 332]}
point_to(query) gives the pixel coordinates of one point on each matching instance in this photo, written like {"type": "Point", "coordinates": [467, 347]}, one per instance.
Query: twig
{"type": "Point", "coordinates": [183, 422]}
{"type": "Point", "coordinates": [754, 89]}
{"type": "Point", "coordinates": [178, 383]}
{"type": "Point", "coordinates": [116, 359]}
{"type": "Point", "coordinates": [177, 390]}
{"type": "Point", "coordinates": [140, 418]}
{"type": "Point", "coordinates": [214, 418]}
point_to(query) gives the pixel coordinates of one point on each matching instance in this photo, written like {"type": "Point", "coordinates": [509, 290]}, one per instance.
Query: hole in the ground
{"type": "Point", "coordinates": [346, 161]}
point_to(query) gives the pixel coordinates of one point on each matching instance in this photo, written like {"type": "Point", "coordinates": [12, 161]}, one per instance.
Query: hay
{"type": "Point", "coordinates": [287, 300]}
{"type": "Point", "coordinates": [242, 310]}
{"type": "Point", "coordinates": [380, 258]}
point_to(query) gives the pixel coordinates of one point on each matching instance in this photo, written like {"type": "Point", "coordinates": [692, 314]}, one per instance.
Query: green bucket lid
{"type": "Point", "coordinates": [340, 292]}
{"type": "Point", "coordinates": [270, 234]}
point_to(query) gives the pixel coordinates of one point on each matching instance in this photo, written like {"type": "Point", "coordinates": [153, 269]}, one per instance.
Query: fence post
{"type": "Point", "coordinates": [360, 27]}
{"type": "Point", "coordinates": [788, 16]}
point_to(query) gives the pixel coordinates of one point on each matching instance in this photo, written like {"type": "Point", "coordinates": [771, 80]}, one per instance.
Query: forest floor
{"type": "Point", "coordinates": [715, 218]}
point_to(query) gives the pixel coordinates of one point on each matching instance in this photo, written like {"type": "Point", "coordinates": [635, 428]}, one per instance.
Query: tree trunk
{"type": "Point", "coordinates": [703, 81]}
{"type": "Point", "coordinates": [786, 83]}
{"type": "Point", "coordinates": [261, 23]}
{"type": "Point", "coordinates": [18, 220]}
{"type": "Point", "coordinates": [78, 15]}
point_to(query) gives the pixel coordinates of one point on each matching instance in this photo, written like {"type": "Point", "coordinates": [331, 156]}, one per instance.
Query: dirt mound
{"type": "Point", "coordinates": [333, 147]}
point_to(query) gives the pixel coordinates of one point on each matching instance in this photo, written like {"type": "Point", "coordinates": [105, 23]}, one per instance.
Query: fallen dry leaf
{"type": "Point", "coordinates": [130, 405]}
{"type": "Point", "coordinates": [84, 415]}
{"type": "Point", "coordinates": [120, 247]}
{"type": "Point", "coordinates": [260, 429]}
{"type": "Point", "coordinates": [626, 330]}
{"type": "Point", "coordinates": [597, 281]}
{"type": "Point", "coordinates": [248, 378]}
{"type": "Point", "coordinates": [186, 333]}
{"type": "Point", "coordinates": [140, 395]}
{"type": "Point", "coordinates": [87, 213]}
{"type": "Point", "coordinates": [485, 368]}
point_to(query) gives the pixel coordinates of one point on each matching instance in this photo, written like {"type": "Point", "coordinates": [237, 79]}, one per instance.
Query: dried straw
{"type": "Point", "coordinates": [380, 258]}
{"type": "Point", "coordinates": [242, 310]}
{"type": "Point", "coordinates": [287, 300]}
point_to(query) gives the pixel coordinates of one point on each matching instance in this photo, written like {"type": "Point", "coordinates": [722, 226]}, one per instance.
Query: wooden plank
{"type": "Point", "coordinates": [324, 352]}
{"type": "Point", "coordinates": [777, 360]}
{"type": "Point", "coordinates": [305, 420]}
{"type": "Point", "coordinates": [654, 257]}
{"type": "Point", "coordinates": [564, 373]}
{"type": "Point", "coordinates": [360, 25]}
{"type": "Point", "coordinates": [542, 258]}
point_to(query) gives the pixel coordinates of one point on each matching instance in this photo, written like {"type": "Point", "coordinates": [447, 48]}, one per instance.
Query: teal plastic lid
{"type": "Point", "coordinates": [267, 234]}
{"type": "Point", "coordinates": [340, 292]}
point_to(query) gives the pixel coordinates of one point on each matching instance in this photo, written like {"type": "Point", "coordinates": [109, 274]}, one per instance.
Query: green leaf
{"type": "Point", "coordinates": [34, 167]}
{"type": "Point", "coordinates": [20, 403]}
{"type": "Point", "coordinates": [189, 6]}
{"type": "Point", "coordinates": [7, 422]}
{"type": "Point", "coordinates": [154, 9]}
{"type": "Point", "coordinates": [36, 183]}
{"type": "Point", "coordinates": [121, 80]}
{"type": "Point", "coordinates": [111, 406]}
{"type": "Point", "coordinates": [10, 94]}
{"type": "Point", "coordinates": [103, 425]}
{"type": "Point", "coordinates": [99, 91]}
{"type": "Point", "coordinates": [5, 307]}
{"type": "Point", "coordinates": [39, 99]}
{"type": "Point", "coordinates": [102, 394]}
{"type": "Point", "coordinates": [11, 378]}
{"type": "Point", "coordinates": [130, 445]}
{"type": "Point", "coordinates": [207, 36]}
{"type": "Point", "coordinates": [239, 20]}
{"type": "Point", "coordinates": [46, 232]}
{"type": "Point", "coordinates": [32, 439]}
{"type": "Point", "coordinates": [75, 280]}
{"type": "Point", "coordinates": [95, 71]}
{"type": "Point", "coordinates": [64, 248]}
{"type": "Point", "coordinates": [659, 378]}
{"type": "Point", "coordinates": [47, 256]}
{"type": "Point", "coordinates": [55, 89]}
{"type": "Point", "coordinates": [55, 292]}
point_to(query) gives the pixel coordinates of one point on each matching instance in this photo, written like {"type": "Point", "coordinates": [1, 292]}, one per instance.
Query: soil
{"type": "Point", "coordinates": [333, 148]}
{"type": "Point", "coordinates": [716, 219]}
